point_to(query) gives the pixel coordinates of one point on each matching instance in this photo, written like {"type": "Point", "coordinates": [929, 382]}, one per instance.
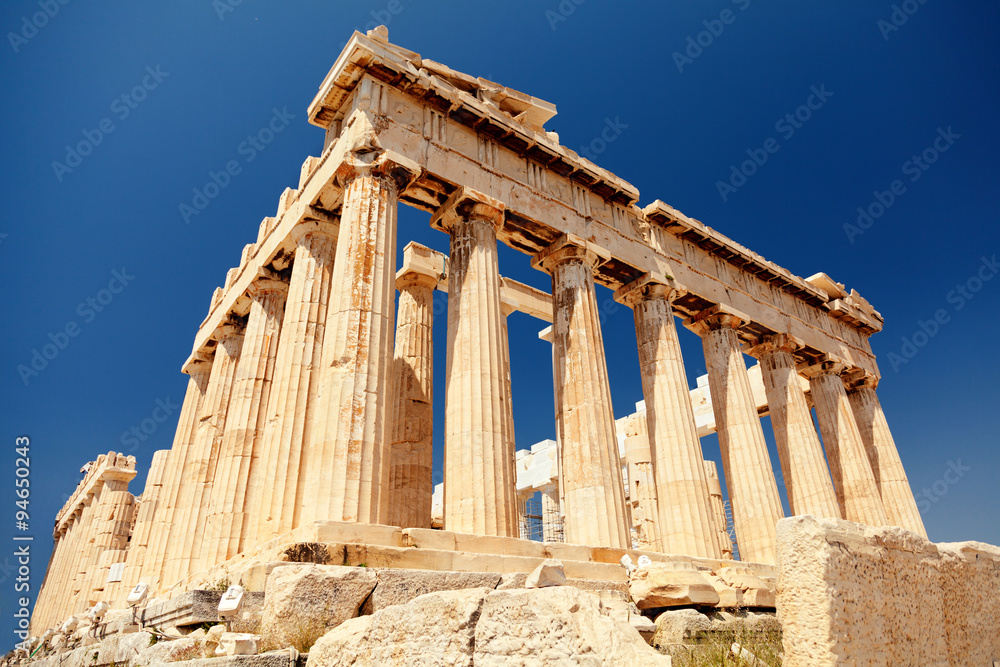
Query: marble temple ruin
{"type": "Point", "coordinates": [310, 400]}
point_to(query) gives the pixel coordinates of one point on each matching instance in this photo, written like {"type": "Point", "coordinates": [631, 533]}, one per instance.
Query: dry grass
{"type": "Point", "coordinates": [715, 648]}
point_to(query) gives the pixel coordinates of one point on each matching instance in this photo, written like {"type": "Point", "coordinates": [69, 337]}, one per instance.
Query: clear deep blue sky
{"type": "Point", "coordinates": [678, 133]}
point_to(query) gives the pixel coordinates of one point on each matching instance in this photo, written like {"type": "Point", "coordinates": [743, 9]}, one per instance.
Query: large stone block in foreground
{"type": "Point", "coordinates": [559, 625]}
{"type": "Point", "coordinates": [858, 595]}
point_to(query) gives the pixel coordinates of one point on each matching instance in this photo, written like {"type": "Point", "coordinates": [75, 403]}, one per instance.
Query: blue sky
{"type": "Point", "coordinates": [209, 75]}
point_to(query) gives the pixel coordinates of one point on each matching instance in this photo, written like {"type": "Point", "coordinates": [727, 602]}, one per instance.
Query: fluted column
{"type": "Point", "coordinates": [77, 571]}
{"type": "Point", "coordinates": [753, 492]}
{"type": "Point", "coordinates": [642, 486]}
{"type": "Point", "coordinates": [853, 480]}
{"type": "Point", "coordinates": [719, 522]}
{"type": "Point", "coordinates": [685, 515]}
{"type": "Point", "coordinates": [199, 471]}
{"type": "Point", "coordinates": [411, 439]}
{"type": "Point", "coordinates": [890, 477]}
{"type": "Point", "coordinates": [151, 505]}
{"type": "Point", "coordinates": [590, 472]}
{"type": "Point", "coordinates": [807, 478]}
{"type": "Point", "coordinates": [111, 528]}
{"type": "Point", "coordinates": [285, 459]}
{"type": "Point", "coordinates": [479, 486]}
{"type": "Point", "coordinates": [352, 423]}
{"type": "Point", "coordinates": [552, 520]}
{"type": "Point", "coordinates": [40, 612]}
{"type": "Point", "coordinates": [242, 440]}
{"type": "Point", "coordinates": [44, 613]}
{"type": "Point", "coordinates": [175, 474]}
{"type": "Point", "coordinates": [69, 555]}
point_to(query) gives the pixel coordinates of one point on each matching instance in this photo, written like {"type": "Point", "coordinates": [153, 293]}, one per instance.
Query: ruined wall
{"type": "Point", "coordinates": [858, 595]}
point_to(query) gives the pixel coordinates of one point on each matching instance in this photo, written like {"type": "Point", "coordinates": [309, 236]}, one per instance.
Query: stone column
{"type": "Point", "coordinates": [149, 508]}
{"type": "Point", "coordinates": [291, 403]}
{"type": "Point", "coordinates": [857, 493]}
{"type": "Point", "coordinates": [720, 523]}
{"type": "Point", "coordinates": [642, 486]}
{"type": "Point", "coordinates": [552, 518]}
{"type": "Point", "coordinates": [523, 521]}
{"type": "Point", "coordinates": [589, 466]}
{"type": "Point", "coordinates": [753, 492]}
{"type": "Point", "coordinates": [242, 441]}
{"type": "Point", "coordinates": [57, 583]}
{"type": "Point", "coordinates": [43, 613]}
{"type": "Point", "coordinates": [77, 572]}
{"type": "Point", "coordinates": [352, 423]}
{"type": "Point", "coordinates": [411, 438]}
{"type": "Point", "coordinates": [198, 474]}
{"type": "Point", "coordinates": [685, 515]}
{"type": "Point", "coordinates": [479, 485]}
{"type": "Point", "coordinates": [160, 544]}
{"type": "Point", "coordinates": [112, 524]}
{"type": "Point", "coordinates": [807, 478]}
{"type": "Point", "coordinates": [894, 488]}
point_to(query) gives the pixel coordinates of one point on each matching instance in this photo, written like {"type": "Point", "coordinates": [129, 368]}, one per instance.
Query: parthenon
{"type": "Point", "coordinates": [310, 397]}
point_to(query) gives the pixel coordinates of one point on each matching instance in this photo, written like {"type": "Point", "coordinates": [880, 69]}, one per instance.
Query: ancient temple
{"type": "Point", "coordinates": [310, 398]}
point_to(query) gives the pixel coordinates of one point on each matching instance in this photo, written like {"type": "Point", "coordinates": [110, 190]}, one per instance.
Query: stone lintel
{"type": "Point", "coordinates": [525, 299]}
{"type": "Point", "coordinates": [466, 203]}
{"type": "Point", "coordinates": [514, 295]}
{"type": "Point", "coordinates": [649, 284]}
{"type": "Point", "coordinates": [570, 246]}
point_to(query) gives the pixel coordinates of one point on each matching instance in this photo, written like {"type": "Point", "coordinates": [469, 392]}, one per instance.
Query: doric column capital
{"type": "Point", "coordinates": [370, 160]}
{"type": "Point", "coordinates": [265, 286]}
{"type": "Point", "coordinates": [717, 317]}
{"type": "Point", "coordinates": [858, 378]}
{"type": "Point", "coordinates": [197, 363]}
{"type": "Point", "coordinates": [772, 343]}
{"type": "Point", "coordinates": [421, 266]}
{"type": "Point", "coordinates": [310, 228]}
{"type": "Point", "coordinates": [828, 365]}
{"type": "Point", "coordinates": [570, 247]}
{"type": "Point", "coordinates": [649, 286]}
{"type": "Point", "coordinates": [230, 336]}
{"type": "Point", "coordinates": [468, 204]}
